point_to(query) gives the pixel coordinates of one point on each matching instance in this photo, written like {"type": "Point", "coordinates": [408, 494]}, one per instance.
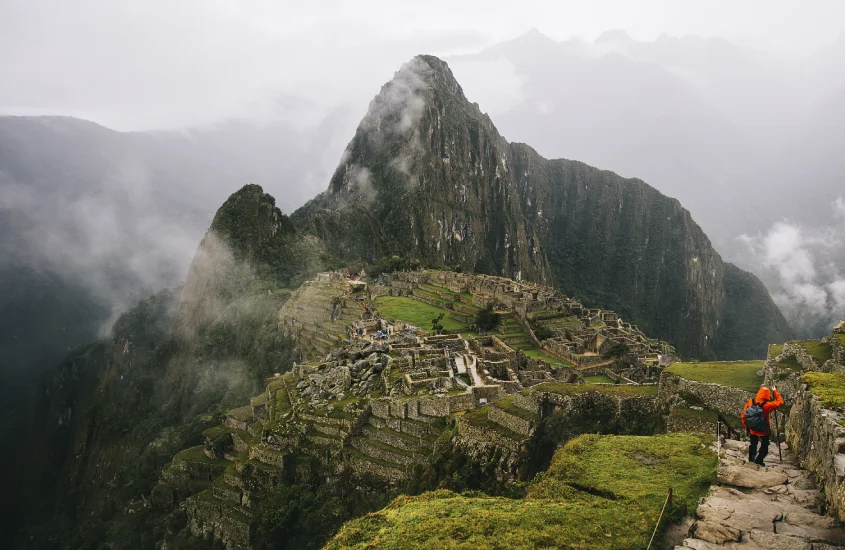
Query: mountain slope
{"type": "Point", "coordinates": [92, 220]}
{"type": "Point", "coordinates": [428, 175]}
{"type": "Point", "coordinates": [115, 410]}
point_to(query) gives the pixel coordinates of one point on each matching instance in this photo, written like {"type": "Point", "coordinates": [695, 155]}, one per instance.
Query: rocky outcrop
{"type": "Point", "coordinates": [427, 175]}
{"type": "Point", "coordinates": [819, 441]}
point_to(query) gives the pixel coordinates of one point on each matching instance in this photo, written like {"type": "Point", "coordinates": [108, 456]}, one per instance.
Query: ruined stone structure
{"type": "Point", "coordinates": [574, 333]}
{"type": "Point", "coordinates": [378, 406]}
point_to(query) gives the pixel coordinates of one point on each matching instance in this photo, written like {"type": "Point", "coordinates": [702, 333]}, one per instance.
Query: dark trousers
{"type": "Point", "coordinates": [753, 456]}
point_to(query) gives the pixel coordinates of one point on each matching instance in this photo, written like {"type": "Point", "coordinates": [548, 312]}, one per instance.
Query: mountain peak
{"type": "Point", "coordinates": [399, 104]}
{"type": "Point", "coordinates": [616, 36]}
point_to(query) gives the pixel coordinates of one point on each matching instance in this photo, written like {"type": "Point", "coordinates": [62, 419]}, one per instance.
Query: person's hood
{"type": "Point", "coordinates": [763, 395]}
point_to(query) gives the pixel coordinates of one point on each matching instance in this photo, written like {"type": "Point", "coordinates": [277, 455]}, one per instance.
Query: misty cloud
{"type": "Point", "coordinates": [804, 272]}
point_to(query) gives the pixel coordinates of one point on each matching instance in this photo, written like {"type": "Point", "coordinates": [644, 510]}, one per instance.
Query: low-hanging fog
{"type": "Point", "coordinates": [737, 110]}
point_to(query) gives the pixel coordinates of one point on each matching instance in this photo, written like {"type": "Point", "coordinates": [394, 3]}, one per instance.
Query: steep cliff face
{"type": "Point", "coordinates": [428, 175]}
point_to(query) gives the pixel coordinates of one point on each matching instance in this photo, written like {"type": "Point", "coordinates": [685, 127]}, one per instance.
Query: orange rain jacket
{"type": "Point", "coordinates": [764, 398]}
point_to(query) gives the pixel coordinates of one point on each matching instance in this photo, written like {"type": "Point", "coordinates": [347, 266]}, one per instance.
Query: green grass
{"type": "Point", "coordinates": [829, 387]}
{"type": "Point", "coordinates": [775, 350]}
{"type": "Point", "coordinates": [840, 338]}
{"type": "Point", "coordinates": [790, 364]}
{"type": "Point", "coordinates": [598, 379]}
{"type": "Point", "coordinates": [601, 492]}
{"type": "Point", "coordinates": [244, 414]}
{"type": "Point", "coordinates": [415, 312]}
{"type": "Point", "coordinates": [436, 288]}
{"type": "Point", "coordinates": [197, 454]}
{"type": "Point", "coordinates": [737, 374]}
{"type": "Point", "coordinates": [478, 417]}
{"type": "Point", "coordinates": [817, 350]}
{"type": "Point", "coordinates": [535, 353]}
{"type": "Point", "coordinates": [507, 405]}
{"type": "Point", "coordinates": [620, 390]}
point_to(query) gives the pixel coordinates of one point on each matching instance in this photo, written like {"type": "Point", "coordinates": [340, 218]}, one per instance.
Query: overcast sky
{"type": "Point", "coordinates": [167, 64]}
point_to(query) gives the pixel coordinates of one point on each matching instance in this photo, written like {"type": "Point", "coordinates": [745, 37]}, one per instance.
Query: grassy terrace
{"type": "Point", "coordinates": [436, 288]}
{"type": "Point", "coordinates": [775, 350]}
{"type": "Point", "coordinates": [598, 379]}
{"type": "Point", "coordinates": [197, 454]}
{"type": "Point", "coordinates": [540, 354]}
{"type": "Point", "coordinates": [840, 338]}
{"type": "Point", "coordinates": [478, 417]}
{"type": "Point", "coordinates": [737, 374]}
{"type": "Point", "coordinates": [415, 312]}
{"type": "Point", "coordinates": [829, 387]}
{"type": "Point", "coordinates": [506, 404]}
{"type": "Point", "coordinates": [620, 390]}
{"type": "Point", "coordinates": [817, 350]}
{"type": "Point", "coordinates": [601, 492]}
{"type": "Point", "coordinates": [244, 414]}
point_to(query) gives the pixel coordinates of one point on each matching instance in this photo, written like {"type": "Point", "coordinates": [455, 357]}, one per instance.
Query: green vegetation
{"type": "Point", "coordinates": [197, 454]}
{"type": "Point", "coordinates": [829, 387]}
{"type": "Point", "coordinates": [620, 390]}
{"type": "Point", "coordinates": [737, 374]}
{"type": "Point", "coordinates": [598, 379]}
{"type": "Point", "coordinates": [540, 354]}
{"type": "Point", "coordinates": [507, 405]}
{"type": "Point", "coordinates": [616, 351]}
{"type": "Point", "coordinates": [775, 350]}
{"type": "Point", "coordinates": [487, 319]}
{"type": "Point", "coordinates": [819, 351]}
{"type": "Point", "coordinates": [601, 492]}
{"type": "Point", "coordinates": [415, 312]}
{"type": "Point", "coordinates": [790, 364]}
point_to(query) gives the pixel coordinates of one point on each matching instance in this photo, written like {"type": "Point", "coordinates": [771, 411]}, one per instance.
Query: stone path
{"type": "Point", "coordinates": [776, 507]}
{"type": "Point", "coordinates": [476, 378]}
{"type": "Point", "coordinates": [460, 363]}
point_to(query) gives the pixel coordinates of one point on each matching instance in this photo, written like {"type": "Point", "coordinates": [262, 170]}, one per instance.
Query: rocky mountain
{"type": "Point", "coordinates": [428, 175]}
{"type": "Point", "coordinates": [114, 411]}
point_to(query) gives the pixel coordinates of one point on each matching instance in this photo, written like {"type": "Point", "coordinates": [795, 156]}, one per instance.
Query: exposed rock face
{"type": "Point", "coordinates": [428, 175]}
{"type": "Point", "coordinates": [819, 441]}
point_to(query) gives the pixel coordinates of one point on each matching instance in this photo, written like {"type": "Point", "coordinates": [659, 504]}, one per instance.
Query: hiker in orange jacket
{"type": "Point", "coordinates": [767, 403]}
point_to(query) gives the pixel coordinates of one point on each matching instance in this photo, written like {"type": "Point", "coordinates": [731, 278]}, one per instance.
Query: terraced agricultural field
{"type": "Point", "coordinates": [415, 312]}
{"type": "Point", "coordinates": [737, 374]}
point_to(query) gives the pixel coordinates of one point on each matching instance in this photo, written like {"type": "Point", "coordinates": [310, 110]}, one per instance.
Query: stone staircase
{"type": "Point", "coordinates": [771, 507]}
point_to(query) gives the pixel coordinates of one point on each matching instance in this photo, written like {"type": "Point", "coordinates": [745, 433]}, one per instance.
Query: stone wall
{"type": "Point", "coordinates": [490, 393]}
{"type": "Point", "coordinates": [724, 399]}
{"type": "Point", "coordinates": [461, 402]}
{"type": "Point", "coordinates": [222, 522]}
{"type": "Point", "coordinates": [360, 466]}
{"type": "Point", "coordinates": [488, 435]}
{"type": "Point", "coordinates": [804, 359]}
{"type": "Point", "coordinates": [527, 402]}
{"type": "Point", "coordinates": [514, 423]}
{"type": "Point", "coordinates": [818, 440]}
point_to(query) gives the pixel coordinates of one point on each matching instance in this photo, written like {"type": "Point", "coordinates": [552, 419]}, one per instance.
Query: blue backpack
{"type": "Point", "coordinates": [755, 419]}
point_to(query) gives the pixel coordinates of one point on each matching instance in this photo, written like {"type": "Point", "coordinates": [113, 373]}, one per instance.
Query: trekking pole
{"type": "Point", "coordinates": [777, 437]}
